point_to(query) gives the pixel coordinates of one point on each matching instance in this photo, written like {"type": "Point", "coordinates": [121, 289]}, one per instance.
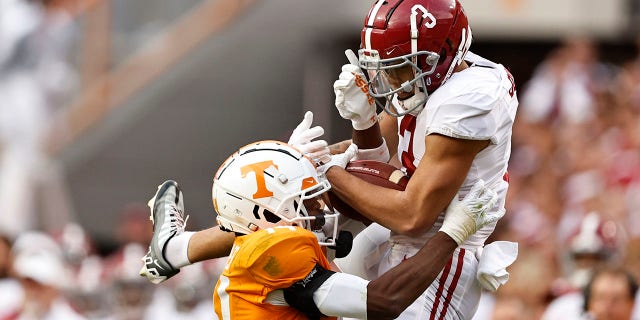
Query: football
{"type": "Point", "coordinates": [375, 172]}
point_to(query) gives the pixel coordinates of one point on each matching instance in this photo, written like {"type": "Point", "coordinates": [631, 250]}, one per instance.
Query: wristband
{"type": "Point", "coordinates": [380, 153]}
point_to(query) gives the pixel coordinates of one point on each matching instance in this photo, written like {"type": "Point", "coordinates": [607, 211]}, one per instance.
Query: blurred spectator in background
{"type": "Point", "coordinates": [131, 293]}
{"type": "Point", "coordinates": [609, 295]}
{"type": "Point", "coordinates": [575, 177]}
{"type": "Point", "coordinates": [9, 286]}
{"type": "Point", "coordinates": [189, 294]}
{"type": "Point", "coordinates": [598, 242]}
{"type": "Point", "coordinates": [89, 292]}
{"type": "Point", "coordinates": [575, 172]}
{"type": "Point", "coordinates": [43, 276]}
{"type": "Point", "coordinates": [75, 243]}
{"type": "Point", "coordinates": [186, 296]}
{"type": "Point", "coordinates": [524, 296]}
{"type": "Point", "coordinates": [5, 257]}
{"type": "Point", "coordinates": [133, 225]}
{"type": "Point", "coordinates": [630, 80]}
{"type": "Point", "coordinates": [562, 88]}
{"type": "Point", "coordinates": [512, 308]}
{"type": "Point", "coordinates": [35, 80]}
{"type": "Point", "coordinates": [631, 263]}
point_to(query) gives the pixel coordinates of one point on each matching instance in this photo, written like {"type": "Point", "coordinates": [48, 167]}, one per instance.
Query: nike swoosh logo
{"type": "Point", "coordinates": [389, 52]}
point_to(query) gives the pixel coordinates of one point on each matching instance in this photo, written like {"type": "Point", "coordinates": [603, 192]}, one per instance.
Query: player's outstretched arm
{"type": "Point", "coordinates": [172, 247]}
{"type": "Point", "coordinates": [389, 295]}
{"type": "Point", "coordinates": [395, 290]}
{"type": "Point", "coordinates": [209, 244]}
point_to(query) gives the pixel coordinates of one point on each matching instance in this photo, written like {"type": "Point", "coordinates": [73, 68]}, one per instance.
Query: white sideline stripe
{"type": "Point", "coordinates": [225, 307]}
{"type": "Point", "coordinates": [372, 17]}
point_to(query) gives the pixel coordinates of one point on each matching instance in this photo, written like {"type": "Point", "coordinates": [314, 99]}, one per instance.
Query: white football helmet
{"type": "Point", "coordinates": [264, 185]}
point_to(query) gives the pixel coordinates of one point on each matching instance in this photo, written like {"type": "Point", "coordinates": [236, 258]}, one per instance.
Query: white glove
{"type": "Point", "coordinates": [341, 160]}
{"type": "Point", "coordinates": [302, 135]}
{"type": "Point", "coordinates": [352, 97]}
{"type": "Point", "coordinates": [464, 218]}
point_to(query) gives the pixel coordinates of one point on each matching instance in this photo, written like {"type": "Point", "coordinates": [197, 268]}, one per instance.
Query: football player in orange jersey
{"type": "Point", "coordinates": [269, 195]}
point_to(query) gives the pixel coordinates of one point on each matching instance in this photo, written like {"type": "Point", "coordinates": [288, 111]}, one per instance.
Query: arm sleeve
{"type": "Point", "coordinates": [342, 295]}
{"type": "Point", "coordinates": [300, 294]}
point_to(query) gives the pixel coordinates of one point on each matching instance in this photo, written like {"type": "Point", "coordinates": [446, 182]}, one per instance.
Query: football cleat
{"type": "Point", "coordinates": [167, 216]}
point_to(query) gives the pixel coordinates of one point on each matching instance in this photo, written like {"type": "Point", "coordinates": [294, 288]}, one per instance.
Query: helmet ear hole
{"type": "Point", "coordinates": [443, 55]}
{"type": "Point", "coordinates": [270, 216]}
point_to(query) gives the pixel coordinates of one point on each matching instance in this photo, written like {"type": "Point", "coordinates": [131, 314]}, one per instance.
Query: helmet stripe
{"type": "Point", "coordinates": [367, 38]}
{"type": "Point", "coordinates": [369, 26]}
{"type": "Point", "coordinates": [374, 12]}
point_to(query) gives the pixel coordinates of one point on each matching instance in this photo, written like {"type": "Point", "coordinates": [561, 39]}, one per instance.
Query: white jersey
{"type": "Point", "coordinates": [477, 103]}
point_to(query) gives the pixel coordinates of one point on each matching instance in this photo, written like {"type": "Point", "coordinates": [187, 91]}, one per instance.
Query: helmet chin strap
{"type": "Point", "coordinates": [412, 105]}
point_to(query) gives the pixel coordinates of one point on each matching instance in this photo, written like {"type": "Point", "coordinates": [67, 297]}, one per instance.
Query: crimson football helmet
{"type": "Point", "coordinates": [412, 46]}
{"type": "Point", "coordinates": [597, 240]}
{"type": "Point", "coordinates": [596, 236]}
{"type": "Point", "coordinates": [269, 184]}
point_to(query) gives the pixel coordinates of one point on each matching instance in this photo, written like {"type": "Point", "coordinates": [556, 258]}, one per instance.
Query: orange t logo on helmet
{"type": "Point", "coordinates": [258, 168]}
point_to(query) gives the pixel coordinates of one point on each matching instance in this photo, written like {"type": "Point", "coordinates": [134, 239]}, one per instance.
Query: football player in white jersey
{"type": "Point", "coordinates": [448, 120]}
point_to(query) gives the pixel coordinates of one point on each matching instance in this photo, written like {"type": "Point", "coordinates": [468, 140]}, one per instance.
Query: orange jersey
{"type": "Point", "coordinates": [260, 263]}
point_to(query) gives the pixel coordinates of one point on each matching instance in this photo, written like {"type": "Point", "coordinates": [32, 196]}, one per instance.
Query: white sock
{"type": "Point", "coordinates": [177, 250]}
